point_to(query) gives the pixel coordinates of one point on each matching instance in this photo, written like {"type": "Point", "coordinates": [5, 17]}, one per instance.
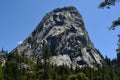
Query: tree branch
{"type": "Point", "coordinates": [115, 24]}
{"type": "Point", "coordinates": [107, 3]}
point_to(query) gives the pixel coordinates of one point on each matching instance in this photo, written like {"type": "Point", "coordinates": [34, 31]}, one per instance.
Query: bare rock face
{"type": "Point", "coordinates": [64, 30]}
{"type": "Point", "coordinates": [3, 56]}
{"type": "Point", "coordinates": [24, 66]}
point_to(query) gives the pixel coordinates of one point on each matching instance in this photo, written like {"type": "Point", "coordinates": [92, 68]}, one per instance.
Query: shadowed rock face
{"type": "Point", "coordinates": [64, 30]}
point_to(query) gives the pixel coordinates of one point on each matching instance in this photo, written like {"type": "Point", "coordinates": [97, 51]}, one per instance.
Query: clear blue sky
{"type": "Point", "coordinates": [18, 18]}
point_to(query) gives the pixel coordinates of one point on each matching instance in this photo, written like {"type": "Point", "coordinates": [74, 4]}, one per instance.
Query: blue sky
{"type": "Point", "coordinates": [18, 18]}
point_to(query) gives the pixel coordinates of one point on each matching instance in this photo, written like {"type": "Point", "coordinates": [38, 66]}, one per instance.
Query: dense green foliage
{"type": "Point", "coordinates": [47, 71]}
{"type": "Point", "coordinates": [43, 70]}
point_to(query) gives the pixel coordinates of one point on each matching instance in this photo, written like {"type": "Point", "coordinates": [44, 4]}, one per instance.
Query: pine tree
{"type": "Point", "coordinates": [107, 4]}
{"type": "Point", "coordinates": [47, 52]}
{"type": "Point", "coordinates": [1, 72]}
{"type": "Point", "coordinates": [46, 64]}
{"type": "Point", "coordinates": [118, 50]}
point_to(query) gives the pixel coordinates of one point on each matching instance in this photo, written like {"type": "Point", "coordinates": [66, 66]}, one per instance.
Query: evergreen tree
{"type": "Point", "coordinates": [46, 64]}
{"type": "Point", "coordinates": [108, 4]}
{"type": "Point", "coordinates": [47, 52]}
{"type": "Point", "coordinates": [118, 50]}
{"type": "Point", "coordinates": [1, 72]}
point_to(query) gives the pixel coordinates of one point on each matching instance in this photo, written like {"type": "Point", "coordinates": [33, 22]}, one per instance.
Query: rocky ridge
{"type": "Point", "coordinates": [64, 30]}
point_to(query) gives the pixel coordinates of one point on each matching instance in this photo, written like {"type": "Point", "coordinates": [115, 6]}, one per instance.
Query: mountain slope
{"type": "Point", "coordinates": [64, 31]}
